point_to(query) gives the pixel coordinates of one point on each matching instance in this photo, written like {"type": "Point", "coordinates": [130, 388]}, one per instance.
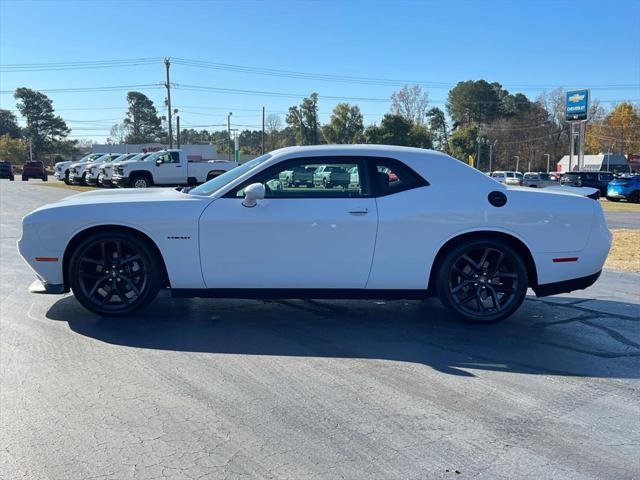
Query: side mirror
{"type": "Point", "coordinates": [159, 162]}
{"type": "Point", "coordinates": [252, 194]}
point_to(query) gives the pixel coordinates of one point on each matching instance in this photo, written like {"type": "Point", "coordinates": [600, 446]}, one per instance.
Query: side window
{"type": "Point", "coordinates": [175, 157]}
{"type": "Point", "coordinates": [164, 158]}
{"type": "Point", "coordinates": [607, 177]}
{"type": "Point", "coordinates": [392, 176]}
{"type": "Point", "coordinates": [315, 177]}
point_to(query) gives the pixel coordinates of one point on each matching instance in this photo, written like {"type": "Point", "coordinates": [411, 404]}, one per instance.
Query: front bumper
{"type": "Point", "coordinates": [38, 286]}
{"type": "Point", "coordinates": [122, 182]}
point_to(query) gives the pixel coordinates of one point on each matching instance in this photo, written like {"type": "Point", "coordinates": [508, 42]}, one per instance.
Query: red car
{"type": "Point", "coordinates": [34, 170]}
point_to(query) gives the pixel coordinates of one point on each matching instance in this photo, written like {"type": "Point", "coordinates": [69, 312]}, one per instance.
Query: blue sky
{"type": "Point", "coordinates": [526, 46]}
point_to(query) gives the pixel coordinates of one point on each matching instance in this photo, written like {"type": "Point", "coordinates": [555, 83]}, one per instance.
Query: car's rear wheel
{"type": "Point", "coordinates": [25, 178]}
{"type": "Point", "coordinates": [114, 274]}
{"type": "Point", "coordinates": [482, 281]}
{"type": "Point", "coordinates": [635, 197]}
{"type": "Point", "coordinates": [45, 178]}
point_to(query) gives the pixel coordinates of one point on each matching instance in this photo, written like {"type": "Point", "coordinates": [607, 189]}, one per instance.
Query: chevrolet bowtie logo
{"type": "Point", "coordinates": [576, 97]}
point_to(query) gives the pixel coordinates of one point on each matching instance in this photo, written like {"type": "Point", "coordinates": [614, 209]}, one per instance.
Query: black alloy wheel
{"type": "Point", "coordinates": [482, 281]}
{"type": "Point", "coordinates": [114, 274]}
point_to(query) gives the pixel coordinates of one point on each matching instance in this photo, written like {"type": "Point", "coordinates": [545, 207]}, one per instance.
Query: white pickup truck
{"type": "Point", "coordinates": [62, 168]}
{"type": "Point", "coordinates": [166, 167]}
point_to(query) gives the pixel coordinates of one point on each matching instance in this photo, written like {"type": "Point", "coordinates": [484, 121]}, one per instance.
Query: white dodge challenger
{"type": "Point", "coordinates": [410, 223]}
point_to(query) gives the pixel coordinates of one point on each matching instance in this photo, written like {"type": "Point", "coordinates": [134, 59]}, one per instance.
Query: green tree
{"type": "Point", "coordinates": [474, 102]}
{"type": "Point", "coordinates": [45, 129]}
{"type": "Point", "coordinates": [438, 127]}
{"type": "Point", "coordinates": [397, 130]}
{"type": "Point", "coordinates": [411, 103]}
{"type": "Point", "coordinates": [304, 120]}
{"type": "Point", "coordinates": [14, 150]}
{"type": "Point", "coordinates": [345, 125]}
{"type": "Point", "coordinates": [9, 124]}
{"type": "Point", "coordinates": [463, 142]}
{"type": "Point", "coordinates": [142, 121]}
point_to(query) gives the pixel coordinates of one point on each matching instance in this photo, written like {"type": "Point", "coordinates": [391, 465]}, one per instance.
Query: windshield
{"type": "Point", "coordinates": [220, 181]}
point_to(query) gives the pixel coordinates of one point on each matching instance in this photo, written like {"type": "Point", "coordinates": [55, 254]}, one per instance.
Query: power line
{"type": "Point", "coordinates": [364, 80]}
{"type": "Point", "coordinates": [60, 66]}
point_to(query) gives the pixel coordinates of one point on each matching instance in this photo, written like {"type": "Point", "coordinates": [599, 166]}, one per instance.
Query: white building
{"type": "Point", "coordinates": [601, 162]}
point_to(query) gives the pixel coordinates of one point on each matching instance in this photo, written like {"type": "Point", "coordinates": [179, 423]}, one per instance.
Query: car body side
{"type": "Point", "coordinates": [413, 225]}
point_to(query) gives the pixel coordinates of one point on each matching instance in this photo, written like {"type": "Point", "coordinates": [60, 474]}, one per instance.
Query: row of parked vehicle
{"type": "Point", "coordinates": [139, 170]}
{"type": "Point", "coordinates": [29, 170]}
{"type": "Point", "coordinates": [615, 188]}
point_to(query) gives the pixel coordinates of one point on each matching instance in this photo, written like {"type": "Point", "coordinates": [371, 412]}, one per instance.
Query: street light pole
{"type": "Point", "coordinates": [517, 162]}
{"type": "Point", "coordinates": [229, 134]}
{"type": "Point", "coordinates": [548, 160]}
{"type": "Point", "coordinates": [490, 152]}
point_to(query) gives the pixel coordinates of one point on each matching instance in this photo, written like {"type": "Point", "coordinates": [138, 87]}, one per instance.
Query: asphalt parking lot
{"type": "Point", "coordinates": [328, 389]}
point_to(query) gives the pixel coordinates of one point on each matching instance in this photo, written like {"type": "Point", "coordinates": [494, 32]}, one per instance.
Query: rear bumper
{"type": "Point", "coordinates": [566, 286]}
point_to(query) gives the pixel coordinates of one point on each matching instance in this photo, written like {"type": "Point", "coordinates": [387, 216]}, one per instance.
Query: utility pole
{"type": "Point", "coordinates": [548, 160]}
{"type": "Point", "coordinates": [178, 131]}
{"type": "Point", "coordinates": [262, 150]}
{"type": "Point", "coordinates": [517, 161]}
{"type": "Point", "coordinates": [229, 133]}
{"type": "Point", "coordinates": [478, 156]}
{"type": "Point", "coordinates": [30, 151]}
{"type": "Point", "coordinates": [167, 64]}
{"type": "Point", "coordinates": [490, 152]}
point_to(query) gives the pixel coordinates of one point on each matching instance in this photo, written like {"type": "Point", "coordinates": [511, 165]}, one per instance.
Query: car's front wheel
{"type": "Point", "coordinates": [482, 281]}
{"type": "Point", "coordinates": [113, 274]}
{"type": "Point", "coordinates": [140, 181]}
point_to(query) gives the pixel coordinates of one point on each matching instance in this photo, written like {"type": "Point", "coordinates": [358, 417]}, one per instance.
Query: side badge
{"type": "Point", "coordinates": [497, 199]}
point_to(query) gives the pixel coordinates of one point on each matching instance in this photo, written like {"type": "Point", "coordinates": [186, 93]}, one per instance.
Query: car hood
{"type": "Point", "coordinates": [129, 195]}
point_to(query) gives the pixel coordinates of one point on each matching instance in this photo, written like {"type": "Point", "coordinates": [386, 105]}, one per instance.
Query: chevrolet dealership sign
{"type": "Point", "coordinates": [577, 105]}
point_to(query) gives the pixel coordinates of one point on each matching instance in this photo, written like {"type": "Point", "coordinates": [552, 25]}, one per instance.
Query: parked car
{"type": "Point", "coordinates": [78, 173]}
{"type": "Point", "coordinates": [92, 169]}
{"type": "Point", "coordinates": [297, 177]}
{"type": "Point", "coordinates": [508, 178]}
{"type": "Point", "coordinates": [6, 170]}
{"type": "Point", "coordinates": [627, 188]}
{"type": "Point", "coordinates": [61, 169]}
{"type": "Point", "coordinates": [329, 176]}
{"type": "Point", "coordinates": [539, 180]}
{"type": "Point", "coordinates": [166, 167]}
{"type": "Point", "coordinates": [106, 169]}
{"type": "Point", "coordinates": [34, 170]}
{"type": "Point", "coordinates": [599, 180]}
{"type": "Point", "coordinates": [235, 236]}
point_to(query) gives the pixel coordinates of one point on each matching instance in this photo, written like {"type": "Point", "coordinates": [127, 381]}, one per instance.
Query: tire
{"type": "Point", "coordinates": [139, 181]}
{"type": "Point", "coordinates": [25, 179]}
{"type": "Point", "coordinates": [66, 178]}
{"type": "Point", "coordinates": [634, 197]}
{"type": "Point", "coordinates": [113, 273]}
{"type": "Point", "coordinates": [478, 267]}
{"type": "Point", "coordinates": [45, 178]}
{"type": "Point", "coordinates": [11, 178]}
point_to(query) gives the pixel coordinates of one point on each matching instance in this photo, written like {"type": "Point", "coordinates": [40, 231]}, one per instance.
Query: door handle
{"type": "Point", "coordinates": [178, 166]}
{"type": "Point", "coordinates": [359, 212]}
